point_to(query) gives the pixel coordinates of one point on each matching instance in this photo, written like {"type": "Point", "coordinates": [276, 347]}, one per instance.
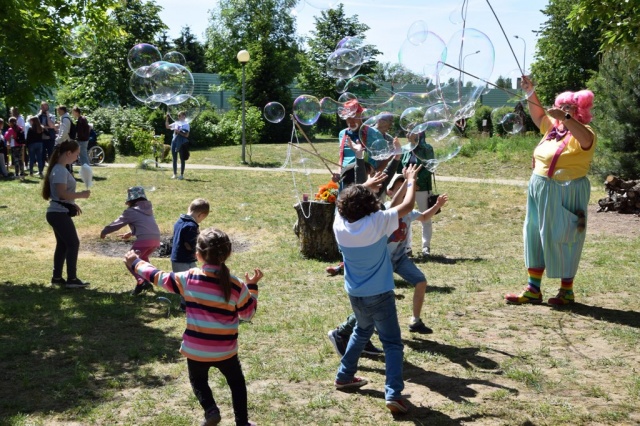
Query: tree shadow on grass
{"type": "Point", "coordinates": [430, 288]}
{"type": "Point", "coordinates": [444, 260]}
{"type": "Point", "coordinates": [265, 164]}
{"type": "Point", "coordinates": [629, 318]}
{"type": "Point", "coordinates": [62, 349]}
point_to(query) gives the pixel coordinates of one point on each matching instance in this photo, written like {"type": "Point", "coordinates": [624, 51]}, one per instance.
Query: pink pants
{"type": "Point", "coordinates": [144, 249]}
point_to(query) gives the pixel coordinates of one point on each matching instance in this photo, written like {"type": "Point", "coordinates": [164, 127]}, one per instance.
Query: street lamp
{"type": "Point", "coordinates": [524, 57]}
{"type": "Point", "coordinates": [469, 54]}
{"type": "Point", "coordinates": [243, 57]}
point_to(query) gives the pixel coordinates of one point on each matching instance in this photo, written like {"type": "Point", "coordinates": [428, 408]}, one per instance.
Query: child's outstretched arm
{"type": "Point", "coordinates": [430, 212]}
{"type": "Point", "coordinates": [170, 281]}
{"type": "Point", "coordinates": [248, 299]}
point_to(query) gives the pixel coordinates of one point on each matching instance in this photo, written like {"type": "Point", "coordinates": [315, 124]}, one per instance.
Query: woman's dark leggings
{"type": "Point", "coordinates": [232, 371]}
{"type": "Point", "coordinates": [67, 244]}
{"type": "Point", "coordinates": [174, 155]}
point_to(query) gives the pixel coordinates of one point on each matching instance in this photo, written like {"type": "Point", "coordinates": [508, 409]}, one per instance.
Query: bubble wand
{"type": "Point", "coordinates": [312, 146]}
{"type": "Point", "coordinates": [506, 38]}
{"type": "Point", "coordinates": [316, 154]}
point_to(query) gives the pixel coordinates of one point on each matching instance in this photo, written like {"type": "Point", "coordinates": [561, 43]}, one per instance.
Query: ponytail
{"type": "Point", "coordinates": [214, 247]}
{"type": "Point", "coordinates": [67, 146]}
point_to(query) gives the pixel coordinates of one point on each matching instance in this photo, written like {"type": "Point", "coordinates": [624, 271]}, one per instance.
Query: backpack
{"type": "Point", "coordinates": [73, 129]}
{"type": "Point", "coordinates": [82, 129]}
{"type": "Point", "coordinates": [20, 136]}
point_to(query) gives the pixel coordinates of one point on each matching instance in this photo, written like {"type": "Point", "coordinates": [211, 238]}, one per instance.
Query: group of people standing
{"type": "Point", "coordinates": [31, 143]}
{"type": "Point", "coordinates": [367, 233]}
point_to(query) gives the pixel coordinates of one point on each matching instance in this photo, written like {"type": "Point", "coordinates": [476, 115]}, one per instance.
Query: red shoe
{"type": "Point", "coordinates": [527, 296]}
{"type": "Point", "coordinates": [356, 382]}
{"type": "Point", "coordinates": [397, 406]}
{"type": "Point", "coordinates": [335, 270]}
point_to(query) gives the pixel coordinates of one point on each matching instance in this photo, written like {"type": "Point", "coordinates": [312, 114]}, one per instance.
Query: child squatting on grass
{"type": "Point", "coordinates": [139, 216]}
{"type": "Point", "coordinates": [216, 301]}
{"type": "Point", "coordinates": [362, 230]}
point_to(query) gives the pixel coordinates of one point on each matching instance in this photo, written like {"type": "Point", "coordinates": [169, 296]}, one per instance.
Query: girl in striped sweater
{"type": "Point", "coordinates": [216, 301]}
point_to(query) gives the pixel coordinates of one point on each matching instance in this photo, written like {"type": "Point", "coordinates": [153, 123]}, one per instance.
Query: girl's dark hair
{"type": "Point", "coordinates": [35, 124]}
{"type": "Point", "coordinates": [215, 248]}
{"type": "Point", "coordinates": [356, 202]}
{"type": "Point", "coordinates": [67, 146]}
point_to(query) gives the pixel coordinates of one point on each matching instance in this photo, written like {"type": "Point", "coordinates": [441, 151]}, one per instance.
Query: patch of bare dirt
{"type": "Point", "coordinates": [612, 223]}
{"type": "Point", "coordinates": [117, 248]}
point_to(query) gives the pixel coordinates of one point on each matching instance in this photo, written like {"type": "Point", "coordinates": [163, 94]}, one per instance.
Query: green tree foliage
{"type": "Point", "coordinates": [32, 34]}
{"type": "Point", "coordinates": [396, 74]}
{"type": "Point", "coordinates": [331, 27]}
{"type": "Point", "coordinates": [266, 29]}
{"type": "Point", "coordinates": [192, 49]}
{"type": "Point", "coordinates": [617, 113]}
{"type": "Point", "coordinates": [565, 58]}
{"type": "Point", "coordinates": [617, 20]}
{"type": "Point", "coordinates": [103, 78]}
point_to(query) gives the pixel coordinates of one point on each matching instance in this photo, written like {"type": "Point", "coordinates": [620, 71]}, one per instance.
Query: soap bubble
{"type": "Point", "coordinates": [350, 42]}
{"type": "Point", "coordinates": [417, 33]}
{"type": "Point", "coordinates": [183, 103]}
{"type": "Point", "coordinates": [329, 106]}
{"type": "Point", "coordinates": [562, 177]}
{"type": "Point", "coordinates": [411, 117]}
{"type": "Point", "coordinates": [143, 54]}
{"type": "Point", "coordinates": [422, 60]}
{"type": "Point", "coordinates": [81, 42]}
{"type": "Point", "coordinates": [512, 123]}
{"type": "Point", "coordinates": [175, 57]}
{"type": "Point", "coordinates": [306, 109]}
{"type": "Point", "coordinates": [343, 63]}
{"type": "Point", "coordinates": [141, 87]}
{"type": "Point", "coordinates": [150, 176]}
{"type": "Point", "coordinates": [274, 112]}
{"type": "Point", "coordinates": [170, 80]}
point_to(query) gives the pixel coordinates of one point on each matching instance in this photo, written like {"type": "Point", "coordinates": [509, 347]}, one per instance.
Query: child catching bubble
{"type": "Point", "coordinates": [139, 216]}
{"type": "Point", "coordinates": [216, 301]}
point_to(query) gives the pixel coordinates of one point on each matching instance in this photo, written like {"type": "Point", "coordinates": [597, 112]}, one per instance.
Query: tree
{"type": "Point", "coordinates": [618, 21]}
{"type": "Point", "coordinates": [396, 74]}
{"type": "Point", "coordinates": [504, 83]}
{"type": "Point", "coordinates": [565, 58]}
{"type": "Point", "coordinates": [617, 109]}
{"type": "Point", "coordinates": [192, 49]}
{"type": "Point", "coordinates": [331, 27]}
{"type": "Point", "coordinates": [266, 29]}
{"type": "Point", "coordinates": [103, 78]}
{"type": "Point", "coordinates": [32, 33]}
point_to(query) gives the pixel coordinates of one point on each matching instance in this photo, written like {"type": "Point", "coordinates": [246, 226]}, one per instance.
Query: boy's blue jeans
{"type": "Point", "coordinates": [377, 312]}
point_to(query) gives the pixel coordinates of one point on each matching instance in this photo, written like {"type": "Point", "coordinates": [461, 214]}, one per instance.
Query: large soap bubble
{"type": "Point", "coordinates": [274, 112]}
{"type": "Point", "coordinates": [329, 106]}
{"type": "Point", "coordinates": [512, 123]}
{"type": "Point", "coordinates": [378, 134]}
{"type": "Point", "coordinates": [422, 60]}
{"type": "Point", "coordinates": [306, 109]}
{"type": "Point", "coordinates": [141, 87]}
{"type": "Point", "coordinates": [170, 80]}
{"type": "Point", "coordinates": [343, 63]}
{"type": "Point", "coordinates": [175, 57]}
{"type": "Point", "coordinates": [81, 42]}
{"type": "Point", "coordinates": [183, 104]}
{"type": "Point", "coordinates": [418, 32]}
{"type": "Point", "coordinates": [143, 54]}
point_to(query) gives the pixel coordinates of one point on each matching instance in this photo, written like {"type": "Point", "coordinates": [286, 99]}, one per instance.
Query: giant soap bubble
{"type": "Point", "coordinates": [343, 63]}
{"type": "Point", "coordinates": [186, 104]}
{"type": "Point", "coordinates": [274, 112]}
{"type": "Point", "coordinates": [143, 54]}
{"type": "Point", "coordinates": [306, 109]}
{"type": "Point", "coordinates": [81, 42]}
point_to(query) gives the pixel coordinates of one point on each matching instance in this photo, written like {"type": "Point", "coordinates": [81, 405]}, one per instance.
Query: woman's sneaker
{"type": "Point", "coordinates": [76, 283]}
{"type": "Point", "coordinates": [58, 281]}
{"type": "Point", "coordinates": [527, 296]}
{"type": "Point", "coordinates": [564, 297]}
{"type": "Point", "coordinates": [212, 418]}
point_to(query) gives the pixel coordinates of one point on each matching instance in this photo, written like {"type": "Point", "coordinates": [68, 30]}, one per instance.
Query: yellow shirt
{"type": "Point", "coordinates": [573, 163]}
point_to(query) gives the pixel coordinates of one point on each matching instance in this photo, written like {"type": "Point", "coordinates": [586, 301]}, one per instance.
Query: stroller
{"type": "Point", "coordinates": [95, 152]}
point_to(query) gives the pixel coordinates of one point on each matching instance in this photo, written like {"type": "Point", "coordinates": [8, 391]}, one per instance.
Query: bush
{"type": "Point", "coordinates": [131, 131]}
{"type": "Point", "coordinates": [483, 113]}
{"type": "Point", "coordinates": [104, 141]}
{"type": "Point", "coordinates": [101, 119]}
{"type": "Point", "coordinates": [203, 129]}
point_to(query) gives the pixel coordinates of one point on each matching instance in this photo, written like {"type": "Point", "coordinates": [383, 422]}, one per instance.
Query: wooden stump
{"type": "Point", "coordinates": [314, 229]}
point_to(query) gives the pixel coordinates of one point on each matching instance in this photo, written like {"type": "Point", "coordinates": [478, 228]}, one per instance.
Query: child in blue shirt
{"type": "Point", "coordinates": [185, 237]}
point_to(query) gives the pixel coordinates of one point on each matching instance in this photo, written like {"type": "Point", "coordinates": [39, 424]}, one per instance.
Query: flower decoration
{"type": "Point", "coordinates": [327, 193]}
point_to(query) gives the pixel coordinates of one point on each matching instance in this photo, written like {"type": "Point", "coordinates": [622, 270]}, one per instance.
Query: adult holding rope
{"type": "Point", "coordinates": [558, 193]}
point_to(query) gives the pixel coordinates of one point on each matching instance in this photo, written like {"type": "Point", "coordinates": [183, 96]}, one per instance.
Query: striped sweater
{"type": "Point", "coordinates": [212, 323]}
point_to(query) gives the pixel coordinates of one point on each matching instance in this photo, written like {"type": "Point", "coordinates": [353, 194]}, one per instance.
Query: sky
{"type": "Point", "coordinates": [390, 20]}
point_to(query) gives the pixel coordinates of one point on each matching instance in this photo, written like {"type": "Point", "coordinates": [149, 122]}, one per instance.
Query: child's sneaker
{"type": "Point", "coordinates": [397, 406]}
{"type": "Point", "coordinates": [356, 382]}
{"type": "Point", "coordinates": [58, 281]}
{"type": "Point", "coordinates": [212, 418]}
{"type": "Point", "coordinates": [419, 327]}
{"type": "Point", "coordinates": [335, 270]}
{"type": "Point", "coordinates": [76, 283]}
{"type": "Point", "coordinates": [371, 349]}
{"type": "Point", "coordinates": [338, 342]}
{"type": "Point", "coordinates": [564, 297]}
{"type": "Point", "coordinates": [527, 296]}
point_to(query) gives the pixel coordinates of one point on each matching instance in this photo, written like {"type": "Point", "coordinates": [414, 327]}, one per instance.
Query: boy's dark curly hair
{"type": "Point", "coordinates": [356, 202]}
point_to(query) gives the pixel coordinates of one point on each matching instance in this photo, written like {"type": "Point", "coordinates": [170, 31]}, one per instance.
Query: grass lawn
{"type": "Point", "coordinates": [100, 356]}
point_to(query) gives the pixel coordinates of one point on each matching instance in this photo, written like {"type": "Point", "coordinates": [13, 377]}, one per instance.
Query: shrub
{"type": "Point", "coordinates": [483, 113]}
{"type": "Point", "coordinates": [104, 141]}
{"type": "Point", "coordinates": [130, 131]}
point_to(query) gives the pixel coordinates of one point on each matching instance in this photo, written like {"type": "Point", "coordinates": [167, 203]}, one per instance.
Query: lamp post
{"type": "Point", "coordinates": [243, 57]}
{"type": "Point", "coordinates": [524, 57]}
{"type": "Point", "coordinates": [465, 57]}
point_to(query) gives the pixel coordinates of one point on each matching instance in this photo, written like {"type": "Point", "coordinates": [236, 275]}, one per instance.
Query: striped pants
{"type": "Point", "coordinates": [551, 238]}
